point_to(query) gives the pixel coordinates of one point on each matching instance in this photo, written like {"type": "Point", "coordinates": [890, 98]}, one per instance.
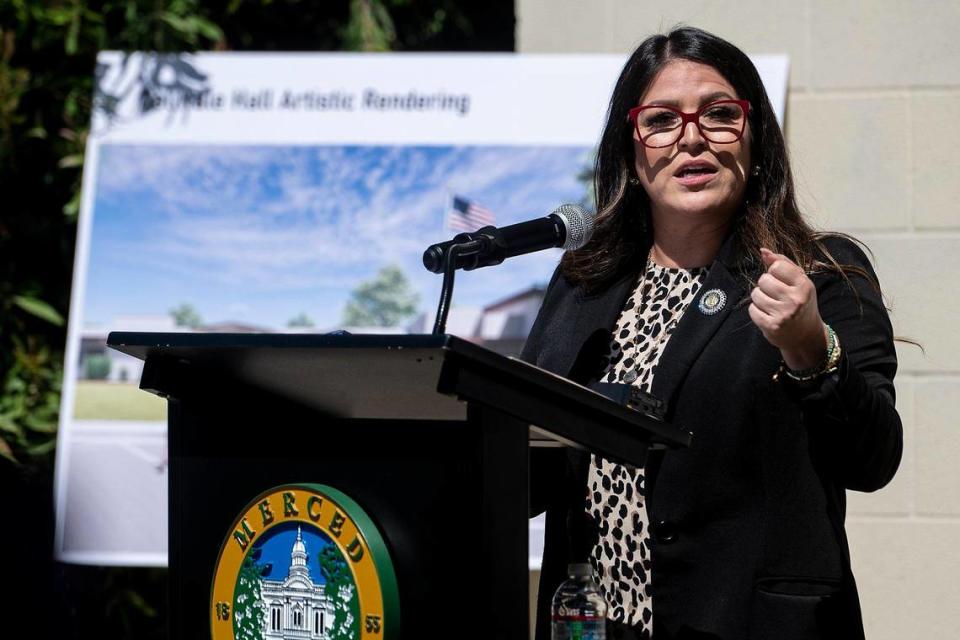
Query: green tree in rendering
{"type": "Point", "coordinates": [384, 301]}
{"type": "Point", "coordinates": [186, 315]}
{"type": "Point", "coordinates": [96, 367]}
{"type": "Point", "coordinates": [300, 320]}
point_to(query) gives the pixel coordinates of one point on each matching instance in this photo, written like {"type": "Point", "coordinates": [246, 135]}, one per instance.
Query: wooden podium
{"type": "Point", "coordinates": [429, 435]}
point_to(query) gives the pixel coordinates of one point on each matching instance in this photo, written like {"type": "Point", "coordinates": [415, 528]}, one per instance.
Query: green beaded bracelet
{"type": "Point", "coordinates": [829, 365]}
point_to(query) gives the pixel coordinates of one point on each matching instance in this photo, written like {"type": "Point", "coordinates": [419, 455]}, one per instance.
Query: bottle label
{"type": "Point", "coordinates": [579, 628]}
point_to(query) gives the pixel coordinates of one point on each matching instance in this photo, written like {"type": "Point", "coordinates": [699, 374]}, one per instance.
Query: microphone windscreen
{"type": "Point", "coordinates": [578, 223]}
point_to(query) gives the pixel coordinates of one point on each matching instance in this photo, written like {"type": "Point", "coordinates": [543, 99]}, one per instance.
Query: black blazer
{"type": "Point", "coordinates": [747, 525]}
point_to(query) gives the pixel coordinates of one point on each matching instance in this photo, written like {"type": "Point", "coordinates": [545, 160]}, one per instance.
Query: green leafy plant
{"type": "Point", "coordinates": [47, 54]}
{"type": "Point", "coordinates": [32, 375]}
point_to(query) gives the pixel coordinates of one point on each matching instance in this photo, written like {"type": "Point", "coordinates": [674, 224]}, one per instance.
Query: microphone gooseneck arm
{"type": "Point", "coordinates": [453, 252]}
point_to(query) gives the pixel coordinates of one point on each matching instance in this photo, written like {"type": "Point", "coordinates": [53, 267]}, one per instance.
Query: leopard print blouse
{"type": "Point", "coordinates": [615, 493]}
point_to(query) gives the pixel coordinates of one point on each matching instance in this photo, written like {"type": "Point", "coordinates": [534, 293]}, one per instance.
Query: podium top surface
{"type": "Point", "coordinates": [416, 377]}
{"type": "Point", "coordinates": [139, 344]}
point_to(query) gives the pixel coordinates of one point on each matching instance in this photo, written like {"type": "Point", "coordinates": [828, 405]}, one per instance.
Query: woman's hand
{"type": "Point", "coordinates": [784, 307]}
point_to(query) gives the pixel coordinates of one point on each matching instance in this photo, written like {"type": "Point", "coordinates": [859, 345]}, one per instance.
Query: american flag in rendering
{"type": "Point", "coordinates": [467, 215]}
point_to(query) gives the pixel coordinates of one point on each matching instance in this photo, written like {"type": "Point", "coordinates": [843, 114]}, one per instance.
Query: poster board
{"type": "Point", "coordinates": [261, 192]}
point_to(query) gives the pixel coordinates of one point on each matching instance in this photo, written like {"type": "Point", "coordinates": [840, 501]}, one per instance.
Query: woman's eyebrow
{"type": "Point", "coordinates": [710, 97]}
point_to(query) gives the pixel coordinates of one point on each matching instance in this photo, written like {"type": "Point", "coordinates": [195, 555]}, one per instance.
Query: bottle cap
{"type": "Point", "coordinates": [580, 570]}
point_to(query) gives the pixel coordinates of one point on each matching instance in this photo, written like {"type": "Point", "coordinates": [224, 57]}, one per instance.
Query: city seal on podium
{"type": "Point", "coordinates": [304, 561]}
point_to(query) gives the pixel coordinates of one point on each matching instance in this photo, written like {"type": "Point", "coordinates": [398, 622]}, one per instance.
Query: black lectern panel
{"type": "Point", "coordinates": [427, 484]}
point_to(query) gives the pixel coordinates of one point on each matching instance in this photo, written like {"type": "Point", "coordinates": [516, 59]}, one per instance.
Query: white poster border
{"type": "Point", "coordinates": [558, 100]}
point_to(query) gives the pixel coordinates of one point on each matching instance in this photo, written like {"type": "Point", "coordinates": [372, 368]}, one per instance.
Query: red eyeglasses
{"type": "Point", "coordinates": [721, 122]}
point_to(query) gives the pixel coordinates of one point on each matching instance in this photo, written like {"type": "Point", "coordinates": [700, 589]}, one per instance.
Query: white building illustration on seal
{"type": "Point", "coordinates": [296, 608]}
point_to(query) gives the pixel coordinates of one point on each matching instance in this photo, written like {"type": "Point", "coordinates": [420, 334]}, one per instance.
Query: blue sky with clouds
{"type": "Point", "coordinates": [277, 544]}
{"type": "Point", "coordinates": [261, 234]}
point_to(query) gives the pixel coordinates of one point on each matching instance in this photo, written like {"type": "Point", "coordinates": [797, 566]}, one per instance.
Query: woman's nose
{"type": "Point", "coordinates": [691, 136]}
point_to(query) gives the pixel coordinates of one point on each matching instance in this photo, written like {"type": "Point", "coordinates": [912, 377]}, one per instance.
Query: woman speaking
{"type": "Point", "coordinates": [704, 286]}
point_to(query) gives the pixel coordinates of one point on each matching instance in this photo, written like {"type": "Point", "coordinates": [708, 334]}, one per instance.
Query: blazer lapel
{"type": "Point", "coordinates": [696, 328]}
{"type": "Point", "coordinates": [596, 315]}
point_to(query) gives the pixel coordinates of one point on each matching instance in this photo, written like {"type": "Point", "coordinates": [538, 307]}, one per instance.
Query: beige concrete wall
{"type": "Point", "coordinates": [873, 123]}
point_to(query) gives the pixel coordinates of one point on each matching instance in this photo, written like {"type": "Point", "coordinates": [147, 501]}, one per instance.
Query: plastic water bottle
{"type": "Point", "coordinates": [579, 610]}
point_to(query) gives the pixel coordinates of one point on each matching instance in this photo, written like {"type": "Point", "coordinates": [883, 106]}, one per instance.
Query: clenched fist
{"type": "Point", "coordinates": [784, 307]}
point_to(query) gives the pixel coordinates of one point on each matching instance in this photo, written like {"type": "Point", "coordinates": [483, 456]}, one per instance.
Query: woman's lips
{"type": "Point", "coordinates": [693, 179]}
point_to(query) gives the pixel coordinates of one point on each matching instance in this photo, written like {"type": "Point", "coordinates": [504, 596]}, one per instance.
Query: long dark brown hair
{"type": "Point", "coordinates": [769, 216]}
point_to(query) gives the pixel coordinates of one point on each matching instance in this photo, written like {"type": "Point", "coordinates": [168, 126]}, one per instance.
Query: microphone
{"type": "Point", "coordinates": [569, 226]}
